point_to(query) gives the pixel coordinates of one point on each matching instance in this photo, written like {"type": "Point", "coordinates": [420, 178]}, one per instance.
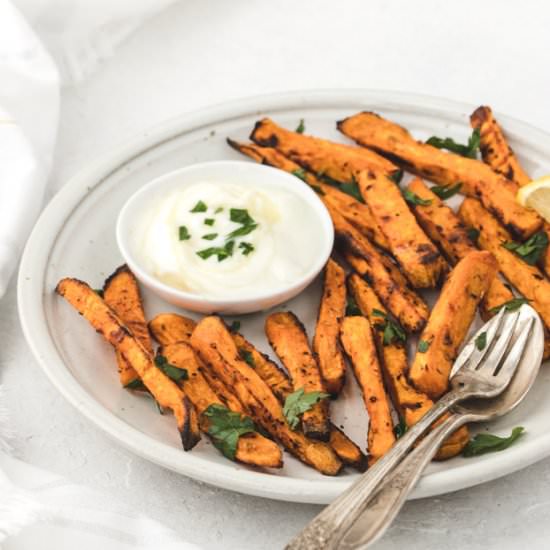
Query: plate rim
{"type": "Point", "coordinates": [31, 287]}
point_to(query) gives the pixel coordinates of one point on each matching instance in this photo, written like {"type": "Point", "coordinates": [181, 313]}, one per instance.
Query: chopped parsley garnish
{"type": "Point", "coordinates": [317, 189]}
{"type": "Point", "coordinates": [299, 402]}
{"type": "Point", "coordinates": [351, 188]}
{"type": "Point", "coordinates": [423, 346]}
{"type": "Point", "coordinates": [225, 428]}
{"type": "Point", "coordinates": [532, 249]}
{"type": "Point", "coordinates": [301, 127]}
{"type": "Point", "coordinates": [489, 443]}
{"type": "Point", "coordinates": [446, 191]}
{"type": "Point", "coordinates": [470, 150]}
{"type": "Point", "coordinates": [396, 176]}
{"type": "Point", "coordinates": [99, 292]}
{"type": "Point", "coordinates": [173, 372]}
{"type": "Point", "coordinates": [241, 215]}
{"type": "Point", "coordinates": [351, 307]}
{"type": "Point", "coordinates": [135, 384]}
{"type": "Point", "coordinates": [413, 198]}
{"type": "Point", "coordinates": [247, 357]}
{"type": "Point", "coordinates": [218, 210]}
{"type": "Point", "coordinates": [400, 429]}
{"type": "Point", "coordinates": [473, 234]}
{"type": "Point", "coordinates": [510, 305]}
{"type": "Point", "coordinates": [392, 331]}
{"type": "Point", "coordinates": [246, 248]}
{"type": "Point", "coordinates": [183, 233]}
{"type": "Point", "coordinates": [481, 341]}
{"type": "Point", "coordinates": [209, 221]}
{"type": "Point", "coordinates": [209, 236]}
{"type": "Point", "coordinates": [235, 326]}
{"type": "Point", "coordinates": [199, 207]}
{"type": "Point", "coordinates": [299, 173]}
{"type": "Point", "coordinates": [223, 252]}
{"type": "Point", "coordinates": [242, 231]}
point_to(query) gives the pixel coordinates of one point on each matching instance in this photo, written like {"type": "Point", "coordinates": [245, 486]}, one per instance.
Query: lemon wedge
{"type": "Point", "coordinates": [536, 195]}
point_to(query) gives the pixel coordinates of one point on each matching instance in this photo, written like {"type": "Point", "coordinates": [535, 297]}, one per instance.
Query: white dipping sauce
{"type": "Point", "coordinates": [283, 241]}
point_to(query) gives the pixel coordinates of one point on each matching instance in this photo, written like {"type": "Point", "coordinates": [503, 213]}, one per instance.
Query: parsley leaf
{"type": "Point", "coordinates": [510, 305]}
{"type": "Point", "coordinates": [209, 221]}
{"type": "Point", "coordinates": [352, 189]}
{"type": "Point", "coordinates": [301, 127]}
{"type": "Point", "coordinates": [209, 236]}
{"type": "Point", "coordinates": [413, 198]}
{"type": "Point", "coordinates": [489, 443]}
{"type": "Point", "coordinates": [183, 233]}
{"type": "Point", "coordinates": [392, 331]}
{"type": "Point", "coordinates": [242, 231]}
{"type": "Point", "coordinates": [317, 189]}
{"type": "Point", "coordinates": [470, 150]}
{"type": "Point", "coordinates": [174, 373]}
{"type": "Point", "coordinates": [396, 176]}
{"type": "Point", "coordinates": [299, 173]}
{"type": "Point", "coordinates": [473, 234]}
{"type": "Point", "coordinates": [222, 252]}
{"type": "Point", "coordinates": [351, 307]}
{"type": "Point", "coordinates": [226, 427]}
{"type": "Point", "coordinates": [199, 207]}
{"type": "Point", "coordinates": [246, 248]}
{"type": "Point", "coordinates": [247, 357]}
{"type": "Point", "coordinates": [481, 341]}
{"type": "Point", "coordinates": [235, 326]}
{"type": "Point", "coordinates": [423, 346]}
{"type": "Point", "coordinates": [135, 384]}
{"type": "Point", "coordinates": [446, 191]}
{"type": "Point", "coordinates": [400, 429]}
{"type": "Point", "coordinates": [532, 249]}
{"type": "Point", "coordinates": [218, 210]}
{"type": "Point", "coordinates": [240, 215]}
{"type": "Point", "coordinates": [299, 402]}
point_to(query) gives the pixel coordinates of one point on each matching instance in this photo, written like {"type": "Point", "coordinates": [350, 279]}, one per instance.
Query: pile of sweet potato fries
{"type": "Point", "coordinates": [391, 240]}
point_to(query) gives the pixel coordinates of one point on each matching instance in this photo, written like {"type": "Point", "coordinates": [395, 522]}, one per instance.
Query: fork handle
{"type": "Point", "coordinates": [384, 505]}
{"type": "Point", "coordinates": [328, 528]}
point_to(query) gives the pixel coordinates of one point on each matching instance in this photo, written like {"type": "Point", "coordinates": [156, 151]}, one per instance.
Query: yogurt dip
{"type": "Point", "coordinates": [219, 239]}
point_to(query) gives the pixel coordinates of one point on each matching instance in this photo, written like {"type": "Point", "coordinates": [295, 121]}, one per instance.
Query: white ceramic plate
{"type": "Point", "coordinates": [75, 237]}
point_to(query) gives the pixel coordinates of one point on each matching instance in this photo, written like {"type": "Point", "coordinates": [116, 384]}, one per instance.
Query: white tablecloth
{"type": "Point", "coordinates": [203, 52]}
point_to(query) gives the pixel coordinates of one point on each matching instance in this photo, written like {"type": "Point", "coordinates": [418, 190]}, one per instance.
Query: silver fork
{"type": "Point", "coordinates": [477, 373]}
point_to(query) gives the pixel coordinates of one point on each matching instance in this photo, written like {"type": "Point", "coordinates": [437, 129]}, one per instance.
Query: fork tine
{"type": "Point", "coordinates": [470, 354]}
{"type": "Point", "coordinates": [516, 353]}
{"type": "Point", "coordinates": [492, 361]}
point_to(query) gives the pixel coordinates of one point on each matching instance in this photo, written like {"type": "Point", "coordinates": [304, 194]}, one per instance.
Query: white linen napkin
{"type": "Point", "coordinates": [37, 507]}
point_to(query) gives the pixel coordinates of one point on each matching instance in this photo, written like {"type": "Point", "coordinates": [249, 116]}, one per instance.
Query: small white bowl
{"type": "Point", "coordinates": [243, 173]}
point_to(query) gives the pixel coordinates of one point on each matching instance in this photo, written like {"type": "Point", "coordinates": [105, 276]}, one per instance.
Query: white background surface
{"type": "Point", "coordinates": [199, 53]}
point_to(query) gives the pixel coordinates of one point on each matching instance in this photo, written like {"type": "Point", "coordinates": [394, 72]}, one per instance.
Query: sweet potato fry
{"type": "Point", "coordinates": [169, 328]}
{"type": "Point", "coordinates": [495, 149]}
{"type": "Point", "coordinates": [326, 342]}
{"type": "Point", "coordinates": [405, 305]}
{"type": "Point", "coordinates": [287, 337]}
{"type": "Point", "coordinates": [359, 346]}
{"type": "Point", "coordinates": [528, 279]}
{"type": "Point", "coordinates": [496, 192]}
{"type": "Point", "coordinates": [252, 448]}
{"type": "Point", "coordinates": [416, 254]}
{"type": "Point", "coordinates": [215, 345]}
{"type": "Point", "coordinates": [121, 293]}
{"type": "Point", "coordinates": [447, 230]}
{"type": "Point", "coordinates": [499, 156]}
{"type": "Point", "coordinates": [449, 322]}
{"type": "Point", "coordinates": [348, 452]}
{"type": "Point", "coordinates": [409, 402]}
{"type": "Point", "coordinates": [337, 161]}
{"type": "Point", "coordinates": [89, 304]}
{"type": "Point", "coordinates": [355, 212]}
